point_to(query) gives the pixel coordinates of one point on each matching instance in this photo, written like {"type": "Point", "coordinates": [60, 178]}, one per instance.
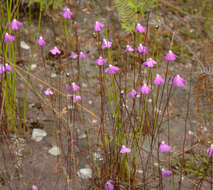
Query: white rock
{"type": "Point", "coordinates": [84, 85]}
{"type": "Point", "coordinates": [90, 102]}
{"type": "Point", "coordinates": [84, 173]}
{"type": "Point", "coordinates": [97, 156]}
{"type": "Point", "coordinates": [33, 66]}
{"type": "Point", "coordinates": [38, 134]}
{"type": "Point", "coordinates": [82, 136]}
{"type": "Point", "coordinates": [24, 45]}
{"type": "Point", "coordinates": [53, 75]}
{"type": "Point", "coordinates": [54, 151]}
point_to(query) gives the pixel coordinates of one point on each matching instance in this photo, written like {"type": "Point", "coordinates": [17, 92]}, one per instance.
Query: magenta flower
{"type": "Point", "coordinates": [165, 173]}
{"type": "Point", "coordinates": [73, 56]}
{"type": "Point", "coordinates": [178, 81]}
{"type": "Point", "coordinates": [150, 62]}
{"type": "Point", "coordinates": [164, 147]}
{"type": "Point", "coordinates": [35, 187]}
{"type": "Point", "coordinates": [140, 28]}
{"type": "Point", "coordinates": [4, 68]}
{"type": "Point", "coordinates": [15, 24]}
{"type": "Point", "coordinates": [124, 149]}
{"type": "Point", "coordinates": [76, 98]}
{"type": "Point", "coordinates": [67, 13]}
{"type": "Point", "coordinates": [108, 185]}
{"type": "Point", "coordinates": [145, 89]}
{"type": "Point", "coordinates": [8, 67]}
{"type": "Point", "coordinates": [133, 93]}
{"type": "Point", "coordinates": [82, 55]}
{"type": "Point", "coordinates": [210, 150]}
{"type": "Point", "coordinates": [40, 41]}
{"type": "Point", "coordinates": [129, 48]}
{"type": "Point", "coordinates": [170, 56]}
{"type": "Point", "coordinates": [98, 26]}
{"type": "Point", "coordinates": [142, 49]}
{"type": "Point", "coordinates": [9, 37]}
{"type": "Point", "coordinates": [106, 44]}
{"type": "Point", "coordinates": [55, 51]}
{"type": "Point", "coordinates": [100, 61]}
{"type": "Point", "coordinates": [112, 69]}
{"type": "Point", "coordinates": [48, 92]}
{"type": "Point", "coordinates": [74, 87]}
{"type": "Point", "coordinates": [158, 80]}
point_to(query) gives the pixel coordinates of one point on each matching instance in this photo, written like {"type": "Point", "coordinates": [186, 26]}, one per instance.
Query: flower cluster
{"type": "Point", "coordinates": [48, 92]}
{"type": "Point", "coordinates": [4, 68]}
{"type": "Point", "coordinates": [67, 13]}
{"type": "Point", "coordinates": [41, 41]}
{"type": "Point", "coordinates": [112, 69]}
{"type": "Point", "coordinates": [81, 56]}
{"type": "Point", "coordinates": [98, 26]}
{"type": "Point", "coordinates": [73, 87]}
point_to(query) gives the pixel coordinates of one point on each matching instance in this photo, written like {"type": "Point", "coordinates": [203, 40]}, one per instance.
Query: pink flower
{"type": "Point", "coordinates": [210, 150]}
{"type": "Point", "coordinates": [165, 173]}
{"type": "Point", "coordinates": [67, 13]}
{"type": "Point", "coordinates": [158, 80]}
{"type": "Point", "coordinates": [48, 92]}
{"type": "Point", "coordinates": [40, 41]}
{"type": "Point", "coordinates": [150, 62]}
{"type": "Point", "coordinates": [82, 55]}
{"type": "Point", "coordinates": [106, 44]}
{"type": "Point", "coordinates": [164, 147]}
{"type": "Point", "coordinates": [142, 49]}
{"type": "Point", "coordinates": [8, 67]}
{"type": "Point", "coordinates": [129, 48]}
{"type": "Point", "coordinates": [35, 187]}
{"type": "Point", "coordinates": [100, 61]}
{"type": "Point", "coordinates": [55, 51]}
{"type": "Point", "coordinates": [170, 56]}
{"type": "Point", "coordinates": [145, 89]}
{"type": "Point", "coordinates": [112, 69]}
{"type": "Point", "coordinates": [178, 81]}
{"type": "Point", "coordinates": [9, 37]}
{"type": "Point", "coordinates": [74, 87]}
{"type": "Point", "coordinates": [133, 93]}
{"type": "Point", "coordinates": [98, 26]}
{"type": "Point", "coordinates": [140, 28]}
{"type": "Point", "coordinates": [108, 185]}
{"type": "Point", "coordinates": [73, 56]}
{"type": "Point", "coordinates": [15, 24]}
{"type": "Point", "coordinates": [76, 98]}
{"type": "Point", "coordinates": [124, 149]}
{"type": "Point", "coordinates": [4, 68]}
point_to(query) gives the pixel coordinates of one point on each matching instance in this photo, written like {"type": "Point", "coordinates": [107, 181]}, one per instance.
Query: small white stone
{"type": "Point", "coordinates": [53, 75]}
{"type": "Point", "coordinates": [84, 85]}
{"type": "Point", "coordinates": [24, 45]}
{"type": "Point", "coordinates": [140, 171]}
{"type": "Point", "coordinates": [54, 151]}
{"type": "Point", "coordinates": [84, 173]}
{"type": "Point", "coordinates": [33, 66]}
{"type": "Point", "coordinates": [90, 102]}
{"type": "Point", "coordinates": [38, 134]}
{"type": "Point", "coordinates": [82, 136]}
{"type": "Point", "coordinates": [97, 156]}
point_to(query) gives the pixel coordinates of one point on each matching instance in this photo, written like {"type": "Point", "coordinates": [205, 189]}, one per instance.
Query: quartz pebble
{"type": "Point", "coordinates": [84, 173]}
{"type": "Point", "coordinates": [54, 151]}
{"type": "Point", "coordinates": [38, 134]}
{"type": "Point", "coordinates": [24, 45]}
